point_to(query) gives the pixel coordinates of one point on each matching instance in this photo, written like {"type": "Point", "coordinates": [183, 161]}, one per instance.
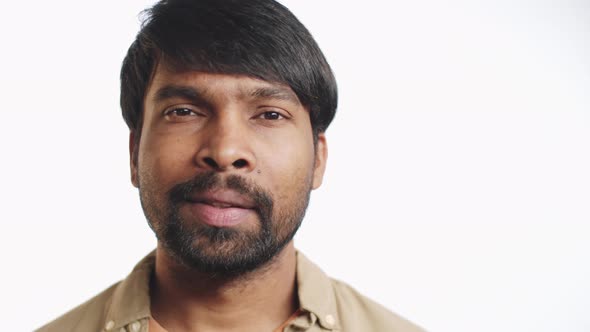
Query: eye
{"type": "Point", "coordinates": [181, 114]}
{"type": "Point", "coordinates": [181, 111]}
{"type": "Point", "coordinates": [271, 115]}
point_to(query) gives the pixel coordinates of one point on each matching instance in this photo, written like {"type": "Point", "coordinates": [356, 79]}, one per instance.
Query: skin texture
{"type": "Point", "coordinates": [233, 127]}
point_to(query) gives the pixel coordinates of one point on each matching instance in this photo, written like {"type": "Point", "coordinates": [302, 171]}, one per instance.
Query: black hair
{"type": "Point", "coordinates": [258, 38]}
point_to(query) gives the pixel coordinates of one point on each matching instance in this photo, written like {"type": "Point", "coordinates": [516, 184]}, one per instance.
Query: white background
{"type": "Point", "coordinates": [458, 186]}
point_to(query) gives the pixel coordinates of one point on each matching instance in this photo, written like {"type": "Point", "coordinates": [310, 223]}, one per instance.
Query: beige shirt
{"type": "Point", "coordinates": [325, 305]}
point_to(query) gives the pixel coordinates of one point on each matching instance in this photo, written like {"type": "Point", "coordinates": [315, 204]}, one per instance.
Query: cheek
{"type": "Point", "coordinates": [163, 160]}
{"type": "Point", "coordinates": [288, 170]}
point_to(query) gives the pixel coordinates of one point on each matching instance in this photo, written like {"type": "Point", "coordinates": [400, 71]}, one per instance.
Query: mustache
{"type": "Point", "coordinates": [211, 180]}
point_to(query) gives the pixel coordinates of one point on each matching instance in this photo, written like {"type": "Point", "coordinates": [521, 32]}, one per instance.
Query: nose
{"type": "Point", "coordinates": [225, 146]}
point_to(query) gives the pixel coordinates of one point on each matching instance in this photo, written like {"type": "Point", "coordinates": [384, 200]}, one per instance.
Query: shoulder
{"type": "Point", "coordinates": [341, 307]}
{"type": "Point", "coordinates": [88, 316]}
{"type": "Point", "coordinates": [121, 304]}
{"type": "Point", "coordinates": [359, 313]}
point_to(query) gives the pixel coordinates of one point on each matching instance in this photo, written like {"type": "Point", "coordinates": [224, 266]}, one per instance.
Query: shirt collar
{"type": "Point", "coordinates": [131, 299]}
{"type": "Point", "coordinates": [316, 294]}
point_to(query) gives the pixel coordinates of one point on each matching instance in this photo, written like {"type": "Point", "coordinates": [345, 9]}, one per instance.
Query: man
{"type": "Point", "coordinates": [227, 102]}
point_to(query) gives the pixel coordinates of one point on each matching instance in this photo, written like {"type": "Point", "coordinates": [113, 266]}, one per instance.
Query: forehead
{"type": "Point", "coordinates": [167, 80]}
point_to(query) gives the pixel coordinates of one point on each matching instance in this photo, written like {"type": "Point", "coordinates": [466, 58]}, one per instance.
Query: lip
{"type": "Point", "coordinates": [221, 208]}
{"type": "Point", "coordinates": [223, 199]}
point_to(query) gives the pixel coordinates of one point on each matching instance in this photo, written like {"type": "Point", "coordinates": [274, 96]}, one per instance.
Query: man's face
{"type": "Point", "coordinates": [225, 167]}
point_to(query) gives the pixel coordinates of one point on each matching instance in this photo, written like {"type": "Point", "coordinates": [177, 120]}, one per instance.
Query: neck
{"type": "Point", "coordinates": [183, 299]}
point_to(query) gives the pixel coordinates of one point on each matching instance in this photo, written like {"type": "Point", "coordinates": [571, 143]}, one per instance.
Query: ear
{"type": "Point", "coordinates": [321, 157]}
{"type": "Point", "coordinates": [133, 145]}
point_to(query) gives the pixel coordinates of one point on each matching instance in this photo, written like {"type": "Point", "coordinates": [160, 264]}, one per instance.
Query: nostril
{"type": "Point", "coordinates": [240, 163]}
{"type": "Point", "coordinates": [210, 162]}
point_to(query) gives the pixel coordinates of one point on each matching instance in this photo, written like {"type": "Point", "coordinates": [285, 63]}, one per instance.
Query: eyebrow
{"type": "Point", "coordinates": [275, 93]}
{"type": "Point", "coordinates": [192, 94]}
{"type": "Point", "coordinates": [198, 96]}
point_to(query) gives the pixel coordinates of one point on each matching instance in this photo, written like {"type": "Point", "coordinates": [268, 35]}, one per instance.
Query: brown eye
{"type": "Point", "coordinates": [271, 115]}
{"type": "Point", "coordinates": [181, 112]}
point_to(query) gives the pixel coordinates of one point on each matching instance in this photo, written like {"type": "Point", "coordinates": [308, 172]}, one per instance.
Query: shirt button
{"type": "Point", "coordinates": [135, 326]}
{"type": "Point", "coordinates": [109, 326]}
{"type": "Point", "coordinates": [330, 320]}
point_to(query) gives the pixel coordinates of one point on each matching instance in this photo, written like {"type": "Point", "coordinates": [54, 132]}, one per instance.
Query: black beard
{"type": "Point", "coordinates": [223, 252]}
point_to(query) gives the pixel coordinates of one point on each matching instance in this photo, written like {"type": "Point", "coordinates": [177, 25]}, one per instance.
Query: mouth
{"type": "Point", "coordinates": [222, 208]}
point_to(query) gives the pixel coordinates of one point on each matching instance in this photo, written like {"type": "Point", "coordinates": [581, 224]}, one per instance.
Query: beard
{"type": "Point", "coordinates": [222, 251]}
